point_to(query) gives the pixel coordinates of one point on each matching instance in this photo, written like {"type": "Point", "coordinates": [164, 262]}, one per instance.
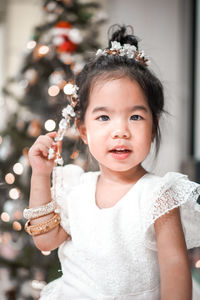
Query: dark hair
{"type": "Point", "coordinates": [115, 66]}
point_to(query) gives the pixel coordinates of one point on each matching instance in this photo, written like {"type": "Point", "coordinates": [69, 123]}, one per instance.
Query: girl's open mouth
{"type": "Point", "coordinates": [120, 153]}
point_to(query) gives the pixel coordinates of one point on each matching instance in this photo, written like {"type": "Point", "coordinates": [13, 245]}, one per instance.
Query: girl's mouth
{"type": "Point", "coordinates": [120, 153]}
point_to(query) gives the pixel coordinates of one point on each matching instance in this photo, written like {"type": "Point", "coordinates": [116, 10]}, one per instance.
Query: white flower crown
{"type": "Point", "coordinates": [125, 50]}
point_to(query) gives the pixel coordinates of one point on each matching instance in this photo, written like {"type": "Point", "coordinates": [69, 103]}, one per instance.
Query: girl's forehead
{"type": "Point", "coordinates": [123, 84]}
{"type": "Point", "coordinates": [117, 90]}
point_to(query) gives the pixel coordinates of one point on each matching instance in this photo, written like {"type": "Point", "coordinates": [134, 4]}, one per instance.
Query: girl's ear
{"type": "Point", "coordinates": [82, 131]}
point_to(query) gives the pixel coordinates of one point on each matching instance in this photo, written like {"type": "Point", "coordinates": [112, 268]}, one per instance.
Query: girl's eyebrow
{"type": "Point", "coordinates": [139, 107]}
{"type": "Point", "coordinates": [101, 108]}
{"type": "Point", "coordinates": [131, 109]}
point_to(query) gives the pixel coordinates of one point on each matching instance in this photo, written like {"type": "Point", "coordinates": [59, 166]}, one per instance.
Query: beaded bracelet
{"type": "Point", "coordinates": [42, 227]}
{"type": "Point", "coordinates": [39, 211]}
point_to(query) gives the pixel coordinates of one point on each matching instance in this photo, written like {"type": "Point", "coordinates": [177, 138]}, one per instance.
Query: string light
{"type": "Point", "coordinates": [14, 193]}
{"type": "Point", "coordinates": [53, 90]}
{"type": "Point", "coordinates": [18, 168]}
{"type": "Point", "coordinates": [31, 45]}
{"type": "Point", "coordinates": [197, 265]}
{"type": "Point", "coordinates": [10, 178]}
{"type": "Point", "coordinates": [1, 140]}
{"type": "Point", "coordinates": [17, 226]}
{"type": "Point", "coordinates": [50, 125]}
{"type": "Point", "coordinates": [5, 217]}
{"type": "Point", "coordinates": [46, 252]}
{"type": "Point", "coordinates": [43, 50]}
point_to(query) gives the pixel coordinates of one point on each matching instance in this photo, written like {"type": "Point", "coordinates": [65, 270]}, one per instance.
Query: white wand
{"type": "Point", "coordinates": [67, 113]}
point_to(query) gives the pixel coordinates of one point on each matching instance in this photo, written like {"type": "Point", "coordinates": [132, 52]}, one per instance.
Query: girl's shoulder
{"type": "Point", "coordinates": [170, 190]}
{"type": "Point", "coordinates": [171, 181]}
{"type": "Point", "coordinates": [163, 194]}
{"type": "Point", "coordinates": [167, 177]}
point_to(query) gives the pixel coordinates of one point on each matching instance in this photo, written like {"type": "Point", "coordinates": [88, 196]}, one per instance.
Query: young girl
{"type": "Point", "coordinates": [122, 232]}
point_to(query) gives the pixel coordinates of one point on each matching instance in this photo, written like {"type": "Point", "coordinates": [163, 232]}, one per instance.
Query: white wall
{"type": "Point", "coordinates": [197, 86]}
{"type": "Point", "coordinates": [163, 27]}
{"type": "Point", "coordinates": [2, 54]}
{"type": "Point", "coordinates": [20, 17]}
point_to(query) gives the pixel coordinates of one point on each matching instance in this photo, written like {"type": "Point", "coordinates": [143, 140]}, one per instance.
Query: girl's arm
{"type": "Point", "coordinates": [40, 193]}
{"type": "Point", "coordinates": [176, 280]}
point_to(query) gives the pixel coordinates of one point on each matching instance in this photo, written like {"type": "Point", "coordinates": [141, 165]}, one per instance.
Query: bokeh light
{"type": "Point", "coordinates": [1, 140]}
{"type": "Point", "coordinates": [68, 88]}
{"type": "Point", "coordinates": [18, 168]}
{"type": "Point", "coordinates": [197, 264]}
{"type": "Point", "coordinates": [10, 178]}
{"type": "Point", "coordinates": [17, 226]}
{"type": "Point", "coordinates": [38, 284]}
{"type": "Point", "coordinates": [43, 50]}
{"type": "Point", "coordinates": [31, 44]}
{"type": "Point", "coordinates": [46, 252]}
{"type": "Point", "coordinates": [14, 193]}
{"type": "Point", "coordinates": [50, 125]}
{"type": "Point", "coordinates": [53, 90]}
{"type": "Point", "coordinates": [5, 217]}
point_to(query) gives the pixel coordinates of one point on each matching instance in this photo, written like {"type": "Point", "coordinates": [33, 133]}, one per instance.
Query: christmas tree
{"type": "Point", "coordinates": [56, 51]}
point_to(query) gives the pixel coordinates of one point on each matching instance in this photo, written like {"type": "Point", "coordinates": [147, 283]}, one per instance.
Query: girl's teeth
{"type": "Point", "coordinates": [121, 150]}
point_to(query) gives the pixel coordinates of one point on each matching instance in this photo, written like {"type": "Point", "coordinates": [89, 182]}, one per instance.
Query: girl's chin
{"type": "Point", "coordinates": [122, 168]}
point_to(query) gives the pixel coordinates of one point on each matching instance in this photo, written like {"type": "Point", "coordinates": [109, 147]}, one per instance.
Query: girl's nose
{"type": "Point", "coordinates": [120, 134]}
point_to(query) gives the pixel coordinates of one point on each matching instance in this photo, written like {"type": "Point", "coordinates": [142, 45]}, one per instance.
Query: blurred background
{"type": "Point", "coordinates": [42, 45]}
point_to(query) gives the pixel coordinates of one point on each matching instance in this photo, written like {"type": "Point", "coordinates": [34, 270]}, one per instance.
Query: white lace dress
{"type": "Point", "coordinates": [112, 251]}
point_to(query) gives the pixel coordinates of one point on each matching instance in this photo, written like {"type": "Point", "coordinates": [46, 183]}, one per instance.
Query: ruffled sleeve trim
{"type": "Point", "coordinates": [171, 191]}
{"type": "Point", "coordinates": [65, 179]}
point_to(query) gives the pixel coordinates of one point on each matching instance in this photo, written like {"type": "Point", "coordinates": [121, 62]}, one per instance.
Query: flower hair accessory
{"type": "Point", "coordinates": [68, 114]}
{"type": "Point", "coordinates": [125, 50]}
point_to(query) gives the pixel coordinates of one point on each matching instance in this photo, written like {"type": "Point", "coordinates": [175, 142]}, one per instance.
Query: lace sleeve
{"type": "Point", "coordinates": [174, 190]}
{"type": "Point", "coordinates": [64, 179]}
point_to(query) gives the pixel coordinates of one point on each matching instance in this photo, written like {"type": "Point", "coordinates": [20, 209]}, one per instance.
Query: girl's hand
{"type": "Point", "coordinates": [38, 154]}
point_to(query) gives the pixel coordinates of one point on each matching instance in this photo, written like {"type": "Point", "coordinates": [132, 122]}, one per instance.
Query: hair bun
{"type": "Point", "coordinates": [120, 34]}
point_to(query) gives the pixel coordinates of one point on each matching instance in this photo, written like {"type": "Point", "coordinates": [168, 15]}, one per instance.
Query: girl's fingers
{"type": "Point", "coordinates": [52, 134]}
{"type": "Point", "coordinates": [46, 140]}
{"type": "Point", "coordinates": [39, 149]}
{"type": "Point", "coordinates": [58, 145]}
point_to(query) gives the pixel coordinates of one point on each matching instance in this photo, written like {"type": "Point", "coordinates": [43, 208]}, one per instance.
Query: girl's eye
{"type": "Point", "coordinates": [103, 118]}
{"type": "Point", "coordinates": [136, 118]}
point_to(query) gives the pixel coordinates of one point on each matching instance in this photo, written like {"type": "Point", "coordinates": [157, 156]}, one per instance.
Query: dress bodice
{"type": "Point", "coordinates": [112, 251]}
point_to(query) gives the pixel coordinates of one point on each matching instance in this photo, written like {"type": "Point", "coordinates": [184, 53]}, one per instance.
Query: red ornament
{"type": "Point", "coordinates": [67, 46]}
{"type": "Point", "coordinates": [63, 24]}
{"type": "Point", "coordinates": [62, 28]}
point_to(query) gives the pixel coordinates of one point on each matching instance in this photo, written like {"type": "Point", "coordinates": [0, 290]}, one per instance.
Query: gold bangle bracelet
{"type": "Point", "coordinates": [42, 227]}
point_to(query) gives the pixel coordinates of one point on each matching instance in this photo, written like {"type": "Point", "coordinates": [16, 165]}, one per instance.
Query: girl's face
{"type": "Point", "coordinates": [118, 126]}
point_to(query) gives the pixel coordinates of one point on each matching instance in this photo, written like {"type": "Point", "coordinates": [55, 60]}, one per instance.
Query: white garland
{"type": "Point", "coordinates": [68, 113]}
